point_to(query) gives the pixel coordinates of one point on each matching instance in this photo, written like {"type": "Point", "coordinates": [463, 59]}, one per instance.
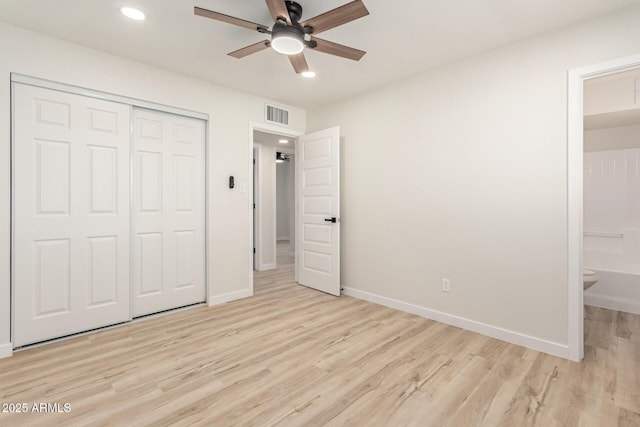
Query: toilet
{"type": "Point", "coordinates": [590, 278]}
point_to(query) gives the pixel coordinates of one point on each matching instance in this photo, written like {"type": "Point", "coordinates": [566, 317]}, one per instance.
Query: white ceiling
{"type": "Point", "coordinates": [401, 38]}
{"type": "Point", "coordinates": [273, 139]}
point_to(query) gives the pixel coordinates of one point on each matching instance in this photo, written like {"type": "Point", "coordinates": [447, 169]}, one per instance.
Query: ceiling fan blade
{"type": "Point", "coordinates": [299, 63]}
{"type": "Point", "coordinates": [229, 19]}
{"type": "Point", "coordinates": [278, 9]}
{"type": "Point", "coordinates": [246, 51]}
{"type": "Point", "coordinates": [336, 49]}
{"type": "Point", "coordinates": [338, 16]}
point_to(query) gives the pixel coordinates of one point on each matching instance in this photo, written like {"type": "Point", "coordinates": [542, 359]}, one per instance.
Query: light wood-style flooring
{"type": "Point", "coordinates": [291, 356]}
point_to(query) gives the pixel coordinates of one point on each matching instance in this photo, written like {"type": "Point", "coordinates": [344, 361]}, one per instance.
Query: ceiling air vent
{"type": "Point", "coordinates": [276, 115]}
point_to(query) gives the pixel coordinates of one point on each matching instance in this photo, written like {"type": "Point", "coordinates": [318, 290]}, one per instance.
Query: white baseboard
{"type": "Point", "coordinates": [612, 303]}
{"type": "Point", "coordinates": [282, 238]}
{"type": "Point", "coordinates": [231, 296]}
{"type": "Point", "coordinates": [265, 267]}
{"type": "Point", "coordinates": [6, 350]}
{"type": "Point", "coordinates": [538, 344]}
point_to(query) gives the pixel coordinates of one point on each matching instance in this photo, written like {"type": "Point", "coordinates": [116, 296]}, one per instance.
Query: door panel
{"type": "Point", "coordinates": [71, 214]}
{"type": "Point", "coordinates": [319, 201]}
{"type": "Point", "coordinates": [168, 218]}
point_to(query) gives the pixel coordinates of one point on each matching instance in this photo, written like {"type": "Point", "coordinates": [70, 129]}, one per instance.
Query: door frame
{"type": "Point", "coordinates": [256, 198]}
{"type": "Point", "coordinates": [17, 78]}
{"type": "Point", "coordinates": [575, 146]}
{"type": "Point", "coordinates": [269, 128]}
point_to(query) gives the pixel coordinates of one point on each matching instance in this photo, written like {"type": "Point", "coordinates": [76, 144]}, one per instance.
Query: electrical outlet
{"type": "Point", "coordinates": [446, 286]}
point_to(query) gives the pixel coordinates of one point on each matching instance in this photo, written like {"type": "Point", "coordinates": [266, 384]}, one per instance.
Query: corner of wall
{"type": "Point", "coordinates": [6, 350]}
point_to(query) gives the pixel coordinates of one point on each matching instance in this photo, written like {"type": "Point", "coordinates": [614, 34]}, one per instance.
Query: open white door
{"type": "Point", "coordinates": [318, 216]}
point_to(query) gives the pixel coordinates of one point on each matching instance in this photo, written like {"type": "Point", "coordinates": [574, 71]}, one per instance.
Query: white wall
{"type": "Point", "coordinates": [461, 172]}
{"type": "Point", "coordinates": [283, 200]}
{"type": "Point", "coordinates": [230, 113]}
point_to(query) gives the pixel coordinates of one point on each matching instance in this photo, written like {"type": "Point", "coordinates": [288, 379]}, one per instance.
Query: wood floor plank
{"type": "Point", "coordinates": [292, 356]}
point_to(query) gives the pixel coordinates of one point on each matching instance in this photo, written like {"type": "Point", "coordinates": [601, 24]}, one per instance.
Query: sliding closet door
{"type": "Point", "coordinates": [168, 212]}
{"type": "Point", "coordinates": [71, 214]}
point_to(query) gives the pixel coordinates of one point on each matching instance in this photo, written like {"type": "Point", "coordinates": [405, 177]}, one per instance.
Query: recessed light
{"type": "Point", "coordinates": [135, 14]}
{"type": "Point", "coordinates": [283, 141]}
{"type": "Point", "coordinates": [308, 74]}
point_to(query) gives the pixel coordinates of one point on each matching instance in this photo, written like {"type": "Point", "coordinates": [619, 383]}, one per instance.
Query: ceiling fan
{"type": "Point", "coordinates": [289, 36]}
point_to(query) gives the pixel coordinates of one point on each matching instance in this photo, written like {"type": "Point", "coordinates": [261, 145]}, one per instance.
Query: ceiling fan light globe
{"type": "Point", "coordinates": [287, 45]}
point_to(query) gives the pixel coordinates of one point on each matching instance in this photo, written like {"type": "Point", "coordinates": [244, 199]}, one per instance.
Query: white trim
{"type": "Point", "coordinates": [131, 210]}
{"type": "Point", "coordinates": [259, 258]}
{"type": "Point", "coordinates": [509, 336]}
{"type": "Point", "coordinates": [274, 214]}
{"type": "Point", "coordinates": [575, 79]}
{"type": "Point", "coordinates": [254, 212]}
{"type": "Point", "coordinates": [296, 215]}
{"type": "Point", "coordinates": [257, 190]}
{"type": "Point", "coordinates": [263, 127]}
{"type": "Point", "coordinates": [575, 307]}
{"type": "Point", "coordinates": [208, 208]}
{"type": "Point", "coordinates": [612, 303]}
{"type": "Point", "coordinates": [6, 350]}
{"type": "Point", "coordinates": [12, 215]}
{"type": "Point", "coordinates": [231, 296]}
{"type": "Point", "coordinates": [252, 221]}
{"type": "Point", "coordinates": [63, 87]}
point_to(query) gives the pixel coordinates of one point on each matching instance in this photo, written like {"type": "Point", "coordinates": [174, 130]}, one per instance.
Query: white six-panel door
{"type": "Point", "coordinates": [318, 157]}
{"type": "Point", "coordinates": [168, 212]}
{"type": "Point", "coordinates": [70, 214]}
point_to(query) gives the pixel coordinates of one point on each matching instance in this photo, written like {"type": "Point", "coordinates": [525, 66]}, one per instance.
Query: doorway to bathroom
{"type": "Point", "coordinates": [611, 200]}
{"type": "Point", "coordinates": [604, 205]}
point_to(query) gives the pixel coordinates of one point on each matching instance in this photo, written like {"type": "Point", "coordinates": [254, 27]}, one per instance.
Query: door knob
{"type": "Point", "coordinates": [332, 219]}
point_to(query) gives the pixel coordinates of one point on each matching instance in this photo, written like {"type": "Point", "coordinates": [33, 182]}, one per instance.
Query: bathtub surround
{"type": "Point", "coordinates": [612, 210]}
{"type": "Point", "coordinates": [612, 227]}
{"type": "Point", "coordinates": [615, 291]}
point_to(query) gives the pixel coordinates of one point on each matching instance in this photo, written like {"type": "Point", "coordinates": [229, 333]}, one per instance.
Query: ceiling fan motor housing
{"type": "Point", "coordinates": [281, 29]}
{"type": "Point", "coordinates": [295, 11]}
{"type": "Point", "coordinates": [288, 40]}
